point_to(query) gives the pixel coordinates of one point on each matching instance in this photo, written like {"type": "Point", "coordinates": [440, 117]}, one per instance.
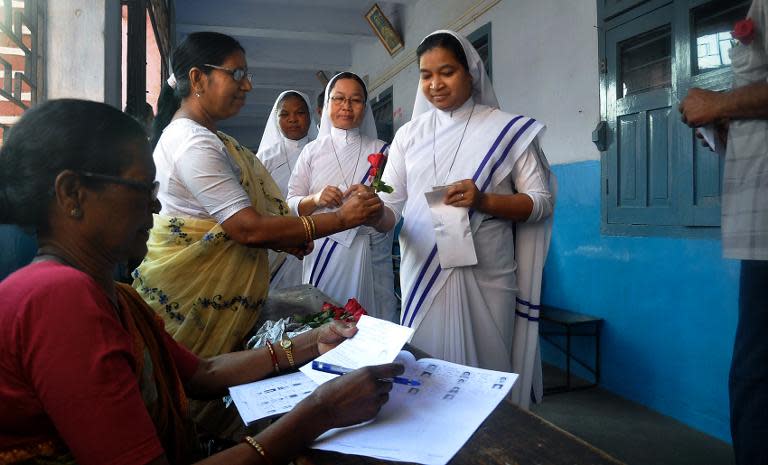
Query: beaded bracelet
{"type": "Point", "coordinates": [273, 355]}
{"type": "Point", "coordinates": [258, 448]}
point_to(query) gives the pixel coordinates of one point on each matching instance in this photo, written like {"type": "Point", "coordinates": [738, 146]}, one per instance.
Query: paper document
{"type": "Point", "coordinates": [709, 133]}
{"type": "Point", "coordinates": [453, 233]}
{"type": "Point", "coordinates": [272, 396]}
{"type": "Point", "coordinates": [428, 424]}
{"type": "Point", "coordinates": [376, 342]}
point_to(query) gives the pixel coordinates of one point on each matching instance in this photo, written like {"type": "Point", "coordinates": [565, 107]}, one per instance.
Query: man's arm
{"type": "Point", "coordinates": [702, 107]}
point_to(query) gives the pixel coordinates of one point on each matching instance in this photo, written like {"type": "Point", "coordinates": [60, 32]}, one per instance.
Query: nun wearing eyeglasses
{"type": "Point", "coordinates": [473, 188]}
{"type": "Point", "coordinates": [290, 126]}
{"type": "Point", "coordinates": [330, 172]}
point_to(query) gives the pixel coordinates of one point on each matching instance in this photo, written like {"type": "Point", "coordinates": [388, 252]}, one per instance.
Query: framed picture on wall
{"type": "Point", "coordinates": [384, 30]}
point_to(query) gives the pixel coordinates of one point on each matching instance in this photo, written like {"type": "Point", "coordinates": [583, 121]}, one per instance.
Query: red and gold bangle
{"type": "Point", "coordinates": [258, 448]}
{"type": "Point", "coordinates": [273, 355]}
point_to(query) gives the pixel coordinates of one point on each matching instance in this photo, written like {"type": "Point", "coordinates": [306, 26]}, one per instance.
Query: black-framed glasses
{"type": "Point", "coordinates": [237, 74]}
{"type": "Point", "coordinates": [150, 188]}
{"type": "Point", "coordinates": [353, 101]}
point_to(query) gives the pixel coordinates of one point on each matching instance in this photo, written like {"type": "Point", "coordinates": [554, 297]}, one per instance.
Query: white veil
{"type": "Point", "coordinates": [482, 89]}
{"type": "Point", "coordinates": [367, 126]}
{"type": "Point", "coordinates": [272, 133]}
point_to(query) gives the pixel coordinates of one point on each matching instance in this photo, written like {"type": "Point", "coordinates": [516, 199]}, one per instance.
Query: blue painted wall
{"type": "Point", "coordinates": [669, 305]}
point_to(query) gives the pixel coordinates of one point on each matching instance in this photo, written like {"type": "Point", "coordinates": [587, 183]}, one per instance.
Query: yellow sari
{"type": "Point", "coordinates": [207, 288]}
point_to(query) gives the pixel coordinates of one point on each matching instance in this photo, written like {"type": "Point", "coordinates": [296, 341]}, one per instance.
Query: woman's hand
{"type": "Point", "coordinates": [300, 252]}
{"type": "Point", "coordinates": [330, 196]}
{"type": "Point", "coordinates": [361, 188]}
{"type": "Point", "coordinates": [332, 334]}
{"type": "Point", "coordinates": [360, 207]}
{"type": "Point", "coordinates": [354, 397]}
{"type": "Point", "coordinates": [463, 193]}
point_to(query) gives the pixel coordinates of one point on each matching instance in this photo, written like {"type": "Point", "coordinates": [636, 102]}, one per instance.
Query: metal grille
{"type": "Point", "coordinates": [21, 58]}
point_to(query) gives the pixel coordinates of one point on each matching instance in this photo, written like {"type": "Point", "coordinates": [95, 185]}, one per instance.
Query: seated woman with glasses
{"type": "Point", "coordinates": [331, 172]}
{"type": "Point", "coordinates": [206, 272]}
{"type": "Point", "coordinates": [289, 128]}
{"type": "Point", "coordinates": [88, 375]}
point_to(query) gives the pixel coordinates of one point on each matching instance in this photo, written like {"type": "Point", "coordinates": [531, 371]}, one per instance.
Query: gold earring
{"type": "Point", "coordinates": [76, 212]}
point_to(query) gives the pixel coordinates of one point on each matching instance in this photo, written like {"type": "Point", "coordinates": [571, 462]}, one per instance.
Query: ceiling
{"type": "Point", "coordinates": [286, 41]}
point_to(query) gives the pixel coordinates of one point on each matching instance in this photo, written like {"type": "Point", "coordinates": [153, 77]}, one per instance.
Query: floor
{"type": "Point", "coordinates": [628, 431]}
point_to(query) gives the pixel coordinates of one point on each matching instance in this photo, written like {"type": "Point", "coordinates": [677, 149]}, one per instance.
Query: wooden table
{"type": "Point", "coordinates": [509, 436]}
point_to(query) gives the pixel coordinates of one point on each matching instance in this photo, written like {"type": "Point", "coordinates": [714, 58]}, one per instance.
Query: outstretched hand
{"type": "Point", "coordinates": [361, 206]}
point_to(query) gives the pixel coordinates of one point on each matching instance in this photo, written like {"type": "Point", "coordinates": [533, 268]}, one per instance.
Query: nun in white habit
{"type": "Point", "coordinates": [358, 262]}
{"type": "Point", "coordinates": [289, 128]}
{"type": "Point", "coordinates": [483, 314]}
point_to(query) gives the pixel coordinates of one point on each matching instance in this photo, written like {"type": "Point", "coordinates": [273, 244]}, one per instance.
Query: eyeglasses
{"type": "Point", "coordinates": [237, 74]}
{"type": "Point", "coordinates": [150, 188]}
{"type": "Point", "coordinates": [340, 101]}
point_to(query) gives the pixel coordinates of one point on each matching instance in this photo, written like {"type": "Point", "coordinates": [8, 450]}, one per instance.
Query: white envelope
{"type": "Point", "coordinates": [709, 134]}
{"type": "Point", "coordinates": [453, 233]}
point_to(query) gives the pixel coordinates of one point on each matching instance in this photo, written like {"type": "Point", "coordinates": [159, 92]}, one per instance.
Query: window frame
{"type": "Point", "coordinates": [697, 221]}
{"type": "Point", "coordinates": [484, 32]}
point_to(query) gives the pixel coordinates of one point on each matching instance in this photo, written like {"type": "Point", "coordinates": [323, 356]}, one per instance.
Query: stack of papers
{"type": "Point", "coordinates": [425, 424]}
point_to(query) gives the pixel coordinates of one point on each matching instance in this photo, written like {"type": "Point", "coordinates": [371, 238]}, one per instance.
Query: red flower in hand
{"type": "Point", "coordinates": [377, 161]}
{"type": "Point", "coordinates": [744, 31]}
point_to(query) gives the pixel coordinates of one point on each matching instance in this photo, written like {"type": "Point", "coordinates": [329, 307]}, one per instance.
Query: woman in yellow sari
{"type": "Point", "coordinates": [206, 273]}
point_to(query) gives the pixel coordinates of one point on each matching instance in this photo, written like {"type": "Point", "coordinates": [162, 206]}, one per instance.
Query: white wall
{"type": "Point", "coordinates": [545, 63]}
{"type": "Point", "coordinates": [80, 50]}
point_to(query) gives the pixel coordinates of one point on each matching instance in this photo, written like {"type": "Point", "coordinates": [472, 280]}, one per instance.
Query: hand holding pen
{"type": "Point", "coordinates": [339, 370]}
{"type": "Point", "coordinates": [353, 398]}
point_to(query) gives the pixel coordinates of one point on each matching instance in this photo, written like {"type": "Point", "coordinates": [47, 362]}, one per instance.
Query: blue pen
{"type": "Point", "coordinates": [339, 370]}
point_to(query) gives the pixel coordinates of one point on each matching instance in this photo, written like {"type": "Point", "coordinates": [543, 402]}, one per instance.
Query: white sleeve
{"type": "Point", "coordinates": [208, 172]}
{"type": "Point", "coordinates": [395, 177]}
{"type": "Point", "coordinates": [531, 179]}
{"type": "Point", "coordinates": [298, 184]}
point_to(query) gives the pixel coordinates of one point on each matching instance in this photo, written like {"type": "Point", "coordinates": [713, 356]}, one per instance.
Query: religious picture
{"type": "Point", "coordinates": [384, 30]}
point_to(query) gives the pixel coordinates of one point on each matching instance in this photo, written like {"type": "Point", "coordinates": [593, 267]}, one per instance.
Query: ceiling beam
{"type": "Point", "coordinates": [269, 33]}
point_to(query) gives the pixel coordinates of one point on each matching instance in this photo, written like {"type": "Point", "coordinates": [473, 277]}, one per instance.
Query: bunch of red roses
{"type": "Point", "coordinates": [350, 313]}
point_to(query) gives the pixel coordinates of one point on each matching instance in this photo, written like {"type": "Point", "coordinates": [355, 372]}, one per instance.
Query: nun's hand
{"type": "Point", "coordinates": [330, 196]}
{"type": "Point", "coordinates": [463, 193]}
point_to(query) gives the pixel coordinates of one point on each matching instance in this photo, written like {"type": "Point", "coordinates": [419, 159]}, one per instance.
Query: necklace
{"type": "Point", "coordinates": [341, 171]}
{"type": "Point", "coordinates": [434, 136]}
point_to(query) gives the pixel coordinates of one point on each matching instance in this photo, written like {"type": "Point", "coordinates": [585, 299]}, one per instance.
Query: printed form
{"type": "Point", "coordinates": [426, 424]}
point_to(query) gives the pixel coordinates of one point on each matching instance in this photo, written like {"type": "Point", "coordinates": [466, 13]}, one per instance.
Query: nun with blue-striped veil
{"type": "Point", "coordinates": [356, 263]}
{"type": "Point", "coordinates": [476, 196]}
{"type": "Point", "coordinates": [290, 127]}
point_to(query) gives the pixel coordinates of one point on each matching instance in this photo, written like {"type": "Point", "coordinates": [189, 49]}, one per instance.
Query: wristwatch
{"type": "Point", "coordinates": [287, 346]}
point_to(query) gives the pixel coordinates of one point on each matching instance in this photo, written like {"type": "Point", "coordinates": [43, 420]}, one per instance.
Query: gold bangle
{"type": "Point", "coordinates": [307, 230]}
{"type": "Point", "coordinates": [312, 226]}
{"type": "Point", "coordinates": [258, 447]}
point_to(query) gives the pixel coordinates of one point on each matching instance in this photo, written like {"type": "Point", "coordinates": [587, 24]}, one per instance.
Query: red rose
{"type": "Point", "coordinates": [744, 31]}
{"type": "Point", "coordinates": [376, 160]}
